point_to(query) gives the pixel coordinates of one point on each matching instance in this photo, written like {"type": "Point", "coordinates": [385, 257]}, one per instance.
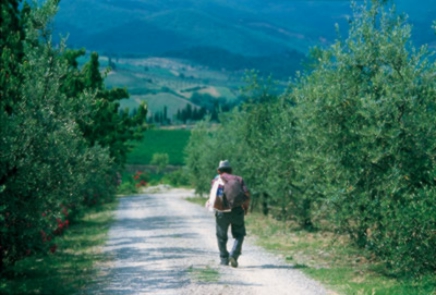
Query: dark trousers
{"type": "Point", "coordinates": [234, 219]}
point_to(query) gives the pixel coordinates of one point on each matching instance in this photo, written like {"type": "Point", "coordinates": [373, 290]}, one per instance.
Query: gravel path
{"type": "Point", "coordinates": [163, 244]}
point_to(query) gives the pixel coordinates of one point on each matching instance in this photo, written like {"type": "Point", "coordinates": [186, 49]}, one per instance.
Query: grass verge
{"type": "Point", "coordinates": [204, 275]}
{"type": "Point", "coordinates": [329, 259]}
{"type": "Point", "coordinates": [71, 268]}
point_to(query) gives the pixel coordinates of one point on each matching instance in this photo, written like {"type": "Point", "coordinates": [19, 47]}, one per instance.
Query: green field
{"type": "Point", "coordinates": [171, 142]}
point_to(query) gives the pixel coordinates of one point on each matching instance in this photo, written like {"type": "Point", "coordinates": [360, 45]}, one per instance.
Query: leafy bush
{"type": "Point", "coordinates": [351, 143]}
{"type": "Point", "coordinates": [177, 178]}
{"type": "Point", "coordinates": [367, 112]}
{"type": "Point", "coordinates": [127, 188]}
{"type": "Point", "coordinates": [141, 178]}
{"type": "Point", "coordinates": [52, 165]}
{"type": "Point", "coordinates": [160, 160]}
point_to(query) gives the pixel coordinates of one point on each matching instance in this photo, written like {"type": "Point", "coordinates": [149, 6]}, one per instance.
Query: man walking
{"type": "Point", "coordinates": [230, 212]}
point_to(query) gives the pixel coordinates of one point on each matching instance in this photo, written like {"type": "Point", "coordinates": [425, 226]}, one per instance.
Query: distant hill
{"type": "Point", "coordinates": [248, 27]}
{"type": "Point", "coordinates": [174, 53]}
{"type": "Point", "coordinates": [281, 66]}
{"type": "Point", "coordinates": [252, 31]}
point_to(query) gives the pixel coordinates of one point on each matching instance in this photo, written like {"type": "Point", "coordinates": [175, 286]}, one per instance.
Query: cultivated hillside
{"type": "Point", "coordinates": [212, 42]}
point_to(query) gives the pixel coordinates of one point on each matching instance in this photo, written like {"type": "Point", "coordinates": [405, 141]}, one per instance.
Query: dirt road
{"type": "Point", "coordinates": [163, 244]}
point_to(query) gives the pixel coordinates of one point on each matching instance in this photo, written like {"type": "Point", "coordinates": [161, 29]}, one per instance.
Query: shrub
{"type": "Point", "coordinates": [141, 179]}
{"type": "Point", "coordinates": [368, 112]}
{"type": "Point", "coordinates": [177, 178]}
{"type": "Point", "coordinates": [127, 188]}
{"type": "Point", "coordinates": [160, 160]}
{"type": "Point", "coordinates": [50, 163]}
{"type": "Point", "coordinates": [352, 142]}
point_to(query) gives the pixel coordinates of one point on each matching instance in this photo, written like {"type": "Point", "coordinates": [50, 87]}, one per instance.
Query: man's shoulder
{"type": "Point", "coordinates": [228, 177]}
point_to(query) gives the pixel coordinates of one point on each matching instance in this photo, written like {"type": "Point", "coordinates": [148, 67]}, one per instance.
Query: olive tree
{"type": "Point", "coordinates": [48, 169]}
{"type": "Point", "coordinates": [367, 112]}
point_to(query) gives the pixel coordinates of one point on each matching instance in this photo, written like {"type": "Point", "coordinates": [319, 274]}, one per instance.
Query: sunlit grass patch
{"type": "Point", "coordinates": [204, 275]}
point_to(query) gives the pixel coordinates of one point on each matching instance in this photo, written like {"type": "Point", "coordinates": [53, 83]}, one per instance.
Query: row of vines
{"type": "Point", "coordinates": [351, 143]}
{"type": "Point", "coordinates": [62, 135]}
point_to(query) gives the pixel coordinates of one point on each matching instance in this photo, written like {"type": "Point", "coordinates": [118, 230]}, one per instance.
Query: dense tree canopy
{"type": "Point", "coordinates": [351, 143]}
{"type": "Point", "coordinates": [63, 137]}
{"type": "Point", "coordinates": [105, 123]}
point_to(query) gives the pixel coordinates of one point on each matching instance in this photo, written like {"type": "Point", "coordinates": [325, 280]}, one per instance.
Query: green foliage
{"type": "Point", "coordinates": [48, 171]}
{"type": "Point", "coordinates": [141, 178]}
{"type": "Point", "coordinates": [189, 113]}
{"type": "Point", "coordinates": [129, 185]}
{"type": "Point", "coordinates": [127, 188]}
{"type": "Point", "coordinates": [105, 123]}
{"type": "Point", "coordinates": [11, 44]}
{"type": "Point", "coordinates": [62, 137]}
{"type": "Point", "coordinates": [350, 143]}
{"type": "Point", "coordinates": [69, 270]}
{"type": "Point", "coordinates": [160, 160]}
{"type": "Point", "coordinates": [331, 260]}
{"type": "Point", "coordinates": [257, 140]}
{"type": "Point", "coordinates": [368, 114]}
{"type": "Point", "coordinates": [177, 178]}
{"type": "Point", "coordinates": [202, 157]}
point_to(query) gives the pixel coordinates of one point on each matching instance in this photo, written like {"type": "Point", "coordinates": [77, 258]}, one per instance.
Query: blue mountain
{"type": "Point", "coordinates": [247, 27]}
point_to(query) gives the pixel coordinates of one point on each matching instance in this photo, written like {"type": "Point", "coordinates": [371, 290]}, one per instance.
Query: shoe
{"type": "Point", "coordinates": [233, 262]}
{"type": "Point", "coordinates": [224, 262]}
